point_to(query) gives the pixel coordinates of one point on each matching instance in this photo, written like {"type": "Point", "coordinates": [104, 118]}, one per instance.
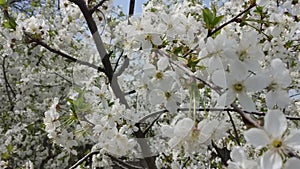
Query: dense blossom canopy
{"type": "Point", "coordinates": [184, 84]}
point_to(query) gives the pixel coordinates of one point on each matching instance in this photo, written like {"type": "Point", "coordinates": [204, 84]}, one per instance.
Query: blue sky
{"type": "Point", "coordinates": [125, 5]}
{"type": "Point", "coordinates": [138, 5]}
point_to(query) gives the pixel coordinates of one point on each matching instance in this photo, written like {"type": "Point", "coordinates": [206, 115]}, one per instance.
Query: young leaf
{"type": "Point", "coordinates": [2, 2]}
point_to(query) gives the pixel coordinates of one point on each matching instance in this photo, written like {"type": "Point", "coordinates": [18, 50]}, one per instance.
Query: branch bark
{"type": "Point", "coordinates": [108, 70]}
{"type": "Point", "coordinates": [64, 55]}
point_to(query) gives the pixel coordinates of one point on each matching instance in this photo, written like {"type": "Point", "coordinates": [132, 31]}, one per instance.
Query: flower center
{"type": "Point", "coordinates": [277, 143]}
{"type": "Point", "coordinates": [243, 55]}
{"type": "Point", "coordinates": [238, 87]}
{"type": "Point", "coordinates": [159, 75]}
{"type": "Point", "coordinates": [168, 95]}
{"type": "Point", "coordinates": [272, 86]}
{"type": "Point", "coordinates": [148, 37]}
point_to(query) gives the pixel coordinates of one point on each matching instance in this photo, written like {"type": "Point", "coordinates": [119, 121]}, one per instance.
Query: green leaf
{"type": "Point", "coordinates": [79, 105]}
{"type": "Point", "coordinates": [2, 2]}
{"type": "Point", "coordinates": [217, 20]}
{"type": "Point", "coordinates": [9, 148]}
{"type": "Point", "coordinates": [208, 17]}
{"type": "Point", "coordinates": [10, 24]}
{"type": "Point", "coordinates": [177, 50]}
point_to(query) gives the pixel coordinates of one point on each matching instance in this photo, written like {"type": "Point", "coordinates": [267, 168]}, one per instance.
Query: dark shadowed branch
{"type": "Point", "coordinates": [131, 7]}
{"type": "Point", "coordinates": [97, 6]}
{"type": "Point", "coordinates": [8, 88]}
{"type": "Point", "coordinates": [64, 55]}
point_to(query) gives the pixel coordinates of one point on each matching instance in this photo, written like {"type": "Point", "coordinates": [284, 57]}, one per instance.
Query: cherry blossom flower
{"type": "Point", "coordinates": [238, 84]}
{"type": "Point", "coordinates": [51, 118]}
{"type": "Point", "coordinates": [292, 163]}
{"type": "Point", "coordinates": [275, 137]}
{"type": "Point", "coordinates": [278, 80]}
{"type": "Point", "coordinates": [240, 160]}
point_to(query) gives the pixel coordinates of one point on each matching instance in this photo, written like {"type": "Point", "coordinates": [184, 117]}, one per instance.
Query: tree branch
{"type": "Point", "coordinates": [122, 163]}
{"type": "Point", "coordinates": [64, 55]}
{"type": "Point", "coordinates": [231, 20]}
{"type": "Point", "coordinates": [246, 118]}
{"type": "Point", "coordinates": [222, 26]}
{"type": "Point", "coordinates": [149, 161]}
{"type": "Point", "coordinates": [237, 139]}
{"type": "Point", "coordinates": [108, 70]}
{"type": "Point", "coordinates": [83, 159]}
{"type": "Point", "coordinates": [131, 7]}
{"type": "Point", "coordinates": [8, 87]}
{"type": "Point", "coordinates": [97, 6]}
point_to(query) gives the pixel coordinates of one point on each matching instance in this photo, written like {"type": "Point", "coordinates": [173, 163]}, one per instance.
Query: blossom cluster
{"type": "Point", "coordinates": [194, 85]}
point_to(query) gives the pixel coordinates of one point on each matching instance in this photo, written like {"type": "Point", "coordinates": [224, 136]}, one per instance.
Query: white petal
{"type": "Point", "coordinates": [237, 154]}
{"type": "Point", "coordinates": [174, 141]}
{"type": "Point", "coordinates": [246, 102]}
{"type": "Point", "coordinates": [156, 97]}
{"type": "Point", "coordinates": [277, 65]}
{"type": "Point", "coordinates": [282, 98]}
{"type": "Point", "coordinates": [257, 137]}
{"type": "Point", "coordinates": [162, 63]}
{"type": "Point", "coordinates": [226, 99]}
{"type": "Point", "coordinates": [149, 69]}
{"type": "Point", "coordinates": [238, 71]}
{"type": "Point", "coordinates": [183, 127]}
{"type": "Point", "coordinates": [293, 140]}
{"type": "Point", "coordinates": [207, 128]}
{"type": "Point", "coordinates": [156, 40]}
{"type": "Point", "coordinates": [271, 160]}
{"type": "Point", "coordinates": [215, 63]}
{"type": "Point", "coordinates": [219, 78]}
{"type": "Point", "coordinates": [146, 44]}
{"type": "Point", "coordinates": [292, 163]}
{"type": "Point", "coordinates": [167, 131]}
{"type": "Point", "coordinates": [171, 106]}
{"type": "Point", "coordinates": [257, 83]}
{"type": "Point", "coordinates": [233, 165]}
{"type": "Point", "coordinates": [270, 99]}
{"type": "Point", "coordinates": [275, 123]}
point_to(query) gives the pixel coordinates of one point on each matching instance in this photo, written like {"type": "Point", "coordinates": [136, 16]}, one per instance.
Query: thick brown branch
{"type": "Point", "coordinates": [131, 7]}
{"type": "Point", "coordinates": [149, 161]}
{"type": "Point", "coordinates": [108, 70]}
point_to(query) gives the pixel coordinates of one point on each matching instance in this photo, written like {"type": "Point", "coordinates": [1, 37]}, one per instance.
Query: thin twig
{"type": "Point", "coordinates": [231, 20]}
{"type": "Point", "coordinates": [181, 109]}
{"type": "Point", "coordinates": [152, 123]}
{"type": "Point", "coordinates": [123, 164]}
{"type": "Point", "coordinates": [83, 159]}
{"type": "Point", "coordinates": [263, 114]}
{"type": "Point", "coordinates": [234, 129]}
{"type": "Point", "coordinates": [152, 114]}
{"type": "Point", "coordinates": [123, 66]}
{"type": "Point", "coordinates": [8, 88]}
{"type": "Point", "coordinates": [97, 6]}
{"type": "Point", "coordinates": [221, 26]}
{"type": "Point", "coordinates": [185, 163]}
{"type": "Point", "coordinates": [118, 60]}
{"type": "Point", "coordinates": [244, 116]}
{"type": "Point", "coordinates": [64, 55]}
